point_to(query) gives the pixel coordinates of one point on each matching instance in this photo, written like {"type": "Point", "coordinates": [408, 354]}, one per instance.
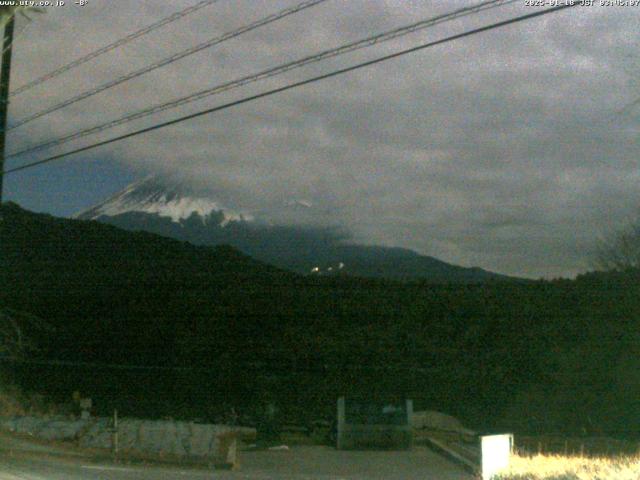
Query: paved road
{"type": "Point", "coordinates": [19, 462]}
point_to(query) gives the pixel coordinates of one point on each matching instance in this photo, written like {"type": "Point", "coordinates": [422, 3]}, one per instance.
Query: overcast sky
{"type": "Point", "coordinates": [505, 150]}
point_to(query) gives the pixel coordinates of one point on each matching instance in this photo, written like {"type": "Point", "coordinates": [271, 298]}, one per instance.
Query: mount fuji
{"type": "Point", "coordinates": [173, 209]}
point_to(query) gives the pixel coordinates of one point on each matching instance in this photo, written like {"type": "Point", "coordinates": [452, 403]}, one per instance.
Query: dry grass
{"type": "Point", "coordinates": [591, 446]}
{"type": "Point", "coordinates": [11, 402]}
{"type": "Point", "coordinates": [556, 467]}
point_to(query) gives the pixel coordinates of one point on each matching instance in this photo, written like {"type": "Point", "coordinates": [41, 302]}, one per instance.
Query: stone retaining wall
{"type": "Point", "coordinates": [184, 439]}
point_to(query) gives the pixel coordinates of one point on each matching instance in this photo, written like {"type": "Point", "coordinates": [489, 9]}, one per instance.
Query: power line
{"type": "Point", "coordinates": [628, 107]}
{"type": "Point", "coordinates": [296, 85]}
{"type": "Point", "coordinates": [169, 60]}
{"type": "Point", "coordinates": [118, 43]}
{"type": "Point", "coordinates": [295, 366]}
{"type": "Point", "coordinates": [112, 366]}
{"type": "Point", "coordinates": [269, 364]}
{"type": "Point", "coordinates": [271, 72]}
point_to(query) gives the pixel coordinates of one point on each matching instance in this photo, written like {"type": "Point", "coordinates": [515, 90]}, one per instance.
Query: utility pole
{"type": "Point", "coordinates": [5, 76]}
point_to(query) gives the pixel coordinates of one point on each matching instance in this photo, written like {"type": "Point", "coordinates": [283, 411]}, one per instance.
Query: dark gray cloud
{"type": "Point", "coordinates": [502, 150]}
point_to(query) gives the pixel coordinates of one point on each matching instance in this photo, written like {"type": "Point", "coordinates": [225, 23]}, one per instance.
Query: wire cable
{"type": "Point", "coordinates": [169, 60]}
{"type": "Point", "coordinates": [236, 362]}
{"type": "Point", "coordinates": [118, 43]}
{"type": "Point", "coordinates": [296, 85]}
{"type": "Point", "coordinates": [628, 107]}
{"type": "Point", "coordinates": [268, 73]}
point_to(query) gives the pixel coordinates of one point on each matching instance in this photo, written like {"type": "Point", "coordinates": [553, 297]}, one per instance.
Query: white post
{"type": "Point", "coordinates": [495, 452]}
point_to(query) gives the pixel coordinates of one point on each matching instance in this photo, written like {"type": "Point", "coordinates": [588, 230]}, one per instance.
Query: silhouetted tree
{"type": "Point", "coordinates": [17, 331]}
{"type": "Point", "coordinates": [620, 250]}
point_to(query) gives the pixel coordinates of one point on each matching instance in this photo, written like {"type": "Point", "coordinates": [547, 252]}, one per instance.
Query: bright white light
{"type": "Point", "coordinates": [496, 450]}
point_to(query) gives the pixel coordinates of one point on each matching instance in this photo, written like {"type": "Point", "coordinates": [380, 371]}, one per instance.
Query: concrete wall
{"type": "Point", "coordinates": [183, 439]}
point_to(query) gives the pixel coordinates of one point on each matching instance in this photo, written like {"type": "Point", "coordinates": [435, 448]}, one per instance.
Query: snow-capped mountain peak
{"type": "Point", "coordinates": [152, 195]}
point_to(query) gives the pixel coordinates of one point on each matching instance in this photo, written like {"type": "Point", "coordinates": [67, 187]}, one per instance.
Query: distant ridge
{"type": "Point", "coordinates": [172, 209]}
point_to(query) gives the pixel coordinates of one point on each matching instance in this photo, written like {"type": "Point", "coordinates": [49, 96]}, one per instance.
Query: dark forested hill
{"type": "Point", "coordinates": [188, 331]}
{"type": "Point", "coordinates": [88, 277]}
